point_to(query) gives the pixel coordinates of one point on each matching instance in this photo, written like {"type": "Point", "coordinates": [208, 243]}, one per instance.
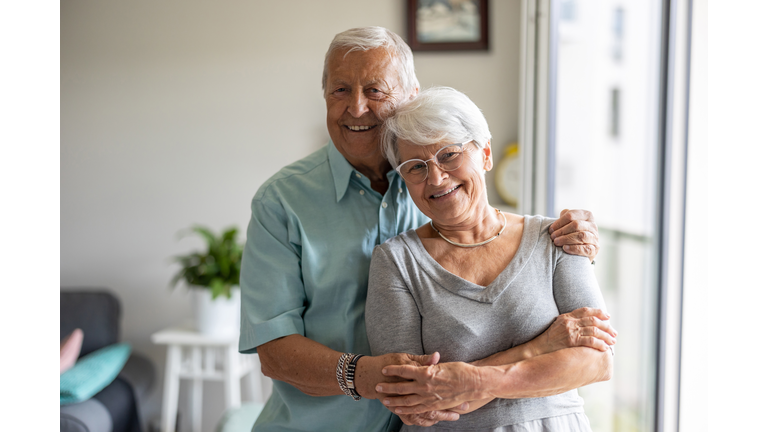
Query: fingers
{"type": "Point", "coordinates": [599, 324]}
{"type": "Point", "coordinates": [575, 234]}
{"type": "Point", "coordinates": [589, 251]}
{"type": "Point", "coordinates": [427, 359]}
{"type": "Point", "coordinates": [588, 312]}
{"type": "Point", "coordinates": [568, 216]}
{"type": "Point", "coordinates": [404, 371]}
{"type": "Point", "coordinates": [428, 418]}
{"type": "Point", "coordinates": [593, 337]}
{"type": "Point", "coordinates": [411, 401]}
{"type": "Point", "coordinates": [400, 388]}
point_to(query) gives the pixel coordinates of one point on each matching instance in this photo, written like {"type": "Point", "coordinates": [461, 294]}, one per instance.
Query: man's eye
{"type": "Point", "coordinates": [375, 93]}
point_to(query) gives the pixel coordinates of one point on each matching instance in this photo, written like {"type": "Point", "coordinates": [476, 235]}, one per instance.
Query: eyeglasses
{"type": "Point", "coordinates": [447, 158]}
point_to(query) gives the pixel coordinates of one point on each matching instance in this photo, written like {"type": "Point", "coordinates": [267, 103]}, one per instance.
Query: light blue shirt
{"type": "Point", "coordinates": [313, 228]}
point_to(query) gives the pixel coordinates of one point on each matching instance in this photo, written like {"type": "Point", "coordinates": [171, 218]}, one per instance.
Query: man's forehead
{"type": "Point", "coordinates": [371, 66]}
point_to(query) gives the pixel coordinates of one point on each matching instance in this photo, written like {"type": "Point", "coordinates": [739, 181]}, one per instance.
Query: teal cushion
{"type": "Point", "coordinates": [240, 419]}
{"type": "Point", "coordinates": [92, 373]}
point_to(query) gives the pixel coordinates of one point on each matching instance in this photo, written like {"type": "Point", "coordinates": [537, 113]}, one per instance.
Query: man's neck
{"type": "Point", "coordinates": [378, 176]}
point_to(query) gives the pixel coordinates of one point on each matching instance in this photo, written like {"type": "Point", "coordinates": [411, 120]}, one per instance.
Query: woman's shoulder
{"type": "Point", "coordinates": [398, 243]}
{"type": "Point", "coordinates": [538, 224]}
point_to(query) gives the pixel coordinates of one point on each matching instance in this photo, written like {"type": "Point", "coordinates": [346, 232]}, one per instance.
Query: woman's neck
{"type": "Point", "coordinates": [482, 225]}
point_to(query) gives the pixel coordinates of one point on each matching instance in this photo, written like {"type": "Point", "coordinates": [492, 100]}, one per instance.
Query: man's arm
{"type": "Point", "coordinates": [311, 367]}
{"type": "Point", "coordinates": [576, 232]}
{"type": "Point", "coordinates": [273, 304]}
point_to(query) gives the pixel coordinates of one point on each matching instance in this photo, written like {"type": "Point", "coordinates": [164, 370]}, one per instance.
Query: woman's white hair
{"type": "Point", "coordinates": [367, 38]}
{"type": "Point", "coordinates": [435, 115]}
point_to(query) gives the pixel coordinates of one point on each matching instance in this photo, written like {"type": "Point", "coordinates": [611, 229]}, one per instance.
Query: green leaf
{"type": "Point", "coordinates": [218, 268]}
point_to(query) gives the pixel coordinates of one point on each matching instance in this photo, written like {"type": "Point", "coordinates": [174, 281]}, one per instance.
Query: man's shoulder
{"type": "Point", "coordinates": [313, 170]}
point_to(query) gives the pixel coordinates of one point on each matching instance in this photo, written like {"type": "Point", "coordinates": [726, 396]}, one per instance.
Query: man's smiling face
{"type": "Point", "coordinates": [362, 90]}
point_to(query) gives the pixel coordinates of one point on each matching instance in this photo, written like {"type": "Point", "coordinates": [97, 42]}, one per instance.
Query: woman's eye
{"type": "Point", "coordinates": [416, 167]}
{"type": "Point", "coordinates": [445, 157]}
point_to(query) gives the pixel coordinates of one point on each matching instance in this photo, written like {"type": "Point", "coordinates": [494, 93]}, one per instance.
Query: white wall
{"type": "Point", "coordinates": [173, 113]}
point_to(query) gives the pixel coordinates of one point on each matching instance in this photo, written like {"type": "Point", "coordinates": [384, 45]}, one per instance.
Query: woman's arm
{"type": "Point", "coordinates": [449, 384]}
{"type": "Point", "coordinates": [585, 327]}
{"type": "Point", "coordinates": [574, 285]}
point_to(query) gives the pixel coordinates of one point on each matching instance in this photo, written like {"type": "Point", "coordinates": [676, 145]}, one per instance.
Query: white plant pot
{"type": "Point", "coordinates": [219, 317]}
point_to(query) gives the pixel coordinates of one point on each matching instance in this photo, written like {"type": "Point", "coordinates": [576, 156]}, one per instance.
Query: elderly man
{"type": "Point", "coordinates": [313, 228]}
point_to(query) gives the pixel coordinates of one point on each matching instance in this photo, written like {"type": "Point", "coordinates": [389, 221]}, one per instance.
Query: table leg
{"type": "Point", "coordinates": [231, 377]}
{"type": "Point", "coordinates": [254, 379]}
{"type": "Point", "coordinates": [197, 390]}
{"type": "Point", "coordinates": [171, 388]}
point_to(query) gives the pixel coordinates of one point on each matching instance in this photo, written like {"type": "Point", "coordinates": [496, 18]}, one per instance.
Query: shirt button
{"type": "Point", "coordinates": [400, 190]}
{"type": "Point", "coordinates": [358, 175]}
{"type": "Point", "coordinates": [384, 205]}
{"type": "Point", "coordinates": [362, 192]}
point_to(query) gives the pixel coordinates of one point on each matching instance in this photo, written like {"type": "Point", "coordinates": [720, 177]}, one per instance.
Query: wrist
{"type": "Point", "coordinates": [484, 383]}
{"type": "Point", "coordinates": [365, 384]}
{"type": "Point", "coordinates": [346, 374]}
{"type": "Point", "coordinates": [533, 348]}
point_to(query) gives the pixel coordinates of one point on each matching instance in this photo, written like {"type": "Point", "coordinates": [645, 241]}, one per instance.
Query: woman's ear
{"type": "Point", "coordinates": [487, 157]}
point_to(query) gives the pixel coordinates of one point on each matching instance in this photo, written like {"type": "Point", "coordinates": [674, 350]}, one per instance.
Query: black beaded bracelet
{"type": "Point", "coordinates": [350, 376]}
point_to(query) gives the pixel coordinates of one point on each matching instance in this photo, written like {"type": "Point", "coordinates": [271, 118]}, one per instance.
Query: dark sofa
{"type": "Point", "coordinates": [116, 408]}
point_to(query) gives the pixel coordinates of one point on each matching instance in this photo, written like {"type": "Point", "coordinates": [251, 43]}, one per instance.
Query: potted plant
{"type": "Point", "coordinates": [214, 278]}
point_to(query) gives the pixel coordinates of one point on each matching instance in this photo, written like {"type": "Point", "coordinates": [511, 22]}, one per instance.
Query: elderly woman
{"type": "Point", "coordinates": [475, 286]}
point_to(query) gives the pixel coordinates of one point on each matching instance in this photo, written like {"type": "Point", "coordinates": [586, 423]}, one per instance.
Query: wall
{"type": "Point", "coordinates": [174, 112]}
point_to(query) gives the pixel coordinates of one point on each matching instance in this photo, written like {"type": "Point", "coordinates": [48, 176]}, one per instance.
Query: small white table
{"type": "Point", "coordinates": [198, 357]}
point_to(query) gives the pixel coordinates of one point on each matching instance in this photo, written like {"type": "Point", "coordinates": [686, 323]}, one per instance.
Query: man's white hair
{"type": "Point", "coordinates": [435, 115]}
{"type": "Point", "coordinates": [367, 38]}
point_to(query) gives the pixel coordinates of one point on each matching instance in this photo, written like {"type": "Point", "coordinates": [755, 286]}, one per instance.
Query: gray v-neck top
{"type": "Point", "coordinates": [416, 306]}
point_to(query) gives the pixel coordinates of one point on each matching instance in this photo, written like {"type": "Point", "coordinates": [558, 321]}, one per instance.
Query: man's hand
{"type": "Point", "coordinates": [576, 232]}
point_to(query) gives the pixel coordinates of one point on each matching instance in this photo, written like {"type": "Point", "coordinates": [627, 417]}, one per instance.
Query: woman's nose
{"type": "Point", "coordinates": [358, 104]}
{"type": "Point", "coordinates": [435, 174]}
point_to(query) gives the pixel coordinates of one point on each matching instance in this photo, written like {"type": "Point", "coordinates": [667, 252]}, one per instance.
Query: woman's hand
{"type": "Point", "coordinates": [432, 388]}
{"type": "Point", "coordinates": [586, 327]}
{"type": "Point", "coordinates": [368, 374]}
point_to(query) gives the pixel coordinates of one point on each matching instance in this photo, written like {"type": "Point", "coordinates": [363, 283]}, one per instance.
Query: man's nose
{"type": "Point", "coordinates": [435, 174]}
{"type": "Point", "coordinates": [358, 104]}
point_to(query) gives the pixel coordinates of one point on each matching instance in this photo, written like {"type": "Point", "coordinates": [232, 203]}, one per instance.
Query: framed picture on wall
{"type": "Point", "coordinates": [448, 25]}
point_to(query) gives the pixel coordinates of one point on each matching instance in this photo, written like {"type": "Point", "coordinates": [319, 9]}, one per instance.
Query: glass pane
{"type": "Point", "coordinates": [606, 160]}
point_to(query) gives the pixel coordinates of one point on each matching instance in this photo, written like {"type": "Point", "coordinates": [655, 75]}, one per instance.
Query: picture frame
{"type": "Point", "coordinates": [448, 25]}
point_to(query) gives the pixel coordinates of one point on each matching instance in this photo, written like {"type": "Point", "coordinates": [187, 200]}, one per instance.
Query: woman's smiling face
{"type": "Point", "coordinates": [450, 198]}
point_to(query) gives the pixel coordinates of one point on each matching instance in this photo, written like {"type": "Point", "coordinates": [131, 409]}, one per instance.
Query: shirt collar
{"type": "Point", "coordinates": [342, 171]}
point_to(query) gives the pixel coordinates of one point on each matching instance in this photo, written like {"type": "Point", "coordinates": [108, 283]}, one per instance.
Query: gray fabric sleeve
{"type": "Point", "coordinates": [392, 317]}
{"type": "Point", "coordinates": [574, 283]}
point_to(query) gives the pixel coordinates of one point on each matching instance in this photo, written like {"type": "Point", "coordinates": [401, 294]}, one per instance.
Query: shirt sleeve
{"type": "Point", "coordinates": [392, 317]}
{"type": "Point", "coordinates": [574, 283]}
{"type": "Point", "coordinates": [272, 292]}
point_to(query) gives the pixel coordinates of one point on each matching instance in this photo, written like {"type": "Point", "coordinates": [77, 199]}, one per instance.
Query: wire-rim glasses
{"type": "Point", "coordinates": [448, 158]}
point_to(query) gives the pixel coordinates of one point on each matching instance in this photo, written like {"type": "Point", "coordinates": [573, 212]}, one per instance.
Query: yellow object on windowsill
{"type": "Point", "coordinates": [509, 176]}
